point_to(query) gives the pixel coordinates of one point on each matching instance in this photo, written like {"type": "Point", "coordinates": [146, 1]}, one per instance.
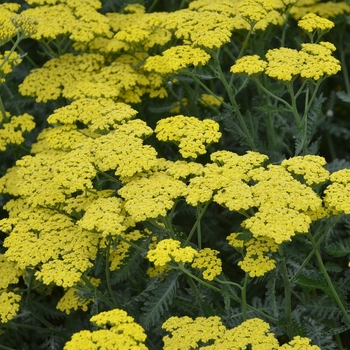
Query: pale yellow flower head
{"type": "Point", "coordinates": [249, 64]}
{"type": "Point", "coordinates": [169, 250]}
{"type": "Point", "coordinates": [175, 59]}
{"type": "Point", "coordinates": [312, 22]}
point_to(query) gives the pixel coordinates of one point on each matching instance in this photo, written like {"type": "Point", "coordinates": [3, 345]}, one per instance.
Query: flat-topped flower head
{"type": "Point", "coordinates": [250, 65]}
{"type": "Point", "coordinates": [169, 250]}
{"type": "Point", "coordinates": [116, 328]}
{"type": "Point", "coordinates": [175, 59]}
{"type": "Point", "coordinates": [311, 22]}
{"type": "Point", "coordinates": [208, 261]}
{"type": "Point", "coordinates": [191, 134]}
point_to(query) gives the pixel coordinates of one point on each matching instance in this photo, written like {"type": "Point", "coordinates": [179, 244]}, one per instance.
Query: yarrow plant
{"type": "Point", "coordinates": [174, 175]}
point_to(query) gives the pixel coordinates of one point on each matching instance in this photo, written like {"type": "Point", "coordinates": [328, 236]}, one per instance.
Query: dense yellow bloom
{"type": "Point", "coordinates": [175, 59]}
{"type": "Point", "coordinates": [123, 151]}
{"type": "Point", "coordinates": [122, 333]}
{"type": "Point", "coordinates": [337, 193]}
{"type": "Point", "coordinates": [9, 272]}
{"type": "Point", "coordinates": [49, 239]}
{"type": "Point", "coordinates": [138, 30]}
{"type": "Point", "coordinates": [319, 61]}
{"type": "Point", "coordinates": [48, 82]}
{"type": "Point", "coordinates": [312, 22]}
{"type": "Point", "coordinates": [205, 29]}
{"type": "Point", "coordinates": [313, 61]}
{"type": "Point", "coordinates": [77, 20]}
{"type": "Point", "coordinates": [191, 134]}
{"type": "Point", "coordinates": [13, 127]}
{"type": "Point", "coordinates": [8, 60]}
{"type": "Point", "coordinates": [207, 260]}
{"type": "Point", "coordinates": [309, 167]}
{"type": "Point", "coordinates": [249, 64]}
{"type": "Point", "coordinates": [9, 306]}
{"type": "Point", "coordinates": [187, 334]}
{"type": "Point", "coordinates": [99, 115]}
{"type": "Point", "coordinates": [227, 175]}
{"type": "Point", "coordinates": [71, 300]}
{"type": "Point", "coordinates": [8, 30]}
{"type": "Point", "coordinates": [169, 250]}
{"type": "Point", "coordinates": [105, 216]}
{"type": "Point", "coordinates": [256, 260]}
{"type": "Point", "coordinates": [151, 196]}
{"type": "Point", "coordinates": [323, 9]}
{"type": "Point", "coordinates": [26, 26]}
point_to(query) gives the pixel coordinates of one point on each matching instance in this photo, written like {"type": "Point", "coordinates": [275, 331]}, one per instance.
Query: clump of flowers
{"type": "Point", "coordinates": [169, 250]}
{"type": "Point", "coordinates": [191, 134]}
{"type": "Point", "coordinates": [118, 329]}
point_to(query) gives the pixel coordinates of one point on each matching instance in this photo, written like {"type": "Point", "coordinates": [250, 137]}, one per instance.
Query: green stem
{"type": "Point", "coordinates": [233, 101]}
{"type": "Point", "coordinates": [196, 293]}
{"type": "Point", "coordinates": [108, 275]}
{"type": "Point", "coordinates": [201, 213]}
{"type": "Point", "coordinates": [273, 95]}
{"type": "Point", "coordinates": [329, 282]}
{"type": "Point", "coordinates": [97, 292]}
{"type": "Point", "coordinates": [244, 296]}
{"type": "Point", "coordinates": [2, 110]}
{"type": "Point", "coordinates": [287, 294]}
{"type": "Point", "coordinates": [245, 43]}
{"type": "Point", "coordinates": [231, 296]}
{"type": "Point", "coordinates": [316, 245]}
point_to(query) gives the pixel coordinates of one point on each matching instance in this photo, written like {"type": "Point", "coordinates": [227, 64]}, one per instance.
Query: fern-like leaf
{"type": "Point", "coordinates": [159, 300]}
{"type": "Point", "coordinates": [339, 248]}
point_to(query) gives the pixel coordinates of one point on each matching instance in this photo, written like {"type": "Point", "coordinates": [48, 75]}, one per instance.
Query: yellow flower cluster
{"type": "Point", "coordinates": [8, 30]}
{"type": "Point", "coordinates": [323, 9]}
{"type": "Point", "coordinates": [71, 300]}
{"type": "Point", "coordinates": [169, 250]}
{"type": "Point", "coordinates": [8, 60]}
{"type": "Point", "coordinates": [256, 260]}
{"type": "Point", "coordinates": [49, 239]}
{"type": "Point", "coordinates": [187, 334]}
{"type": "Point", "coordinates": [105, 216]}
{"type": "Point", "coordinates": [78, 20]}
{"type": "Point", "coordinates": [221, 180]}
{"type": "Point", "coordinates": [10, 273]}
{"type": "Point", "coordinates": [118, 330]}
{"type": "Point", "coordinates": [100, 115]}
{"type": "Point", "coordinates": [90, 76]}
{"type": "Point", "coordinates": [9, 306]}
{"type": "Point", "coordinates": [249, 64]}
{"type": "Point", "coordinates": [175, 59]}
{"type": "Point", "coordinates": [312, 22]}
{"type": "Point", "coordinates": [313, 61]}
{"type": "Point", "coordinates": [12, 129]}
{"type": "Point", "coordinates": [151, 196]}
{"type": "Point", "coordinates": [191, 134]}
{"type": "Point", "coordinates": [207, 260]}
{"type": "Point", "coordinates": [337, 193]}
{"type": "Point", "coordinates": [26, 26]}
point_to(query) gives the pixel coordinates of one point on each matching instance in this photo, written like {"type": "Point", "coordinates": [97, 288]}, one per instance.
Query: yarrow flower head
{"type": "Point", "coordinates": [117, 328]}
{"type": "Point", "coordinates": [175, 59]}
{"type": "Point", "coordinates": [207, 260]}
{"type": "Point", "coordinates": [337, 193]}
{"type": "Point", "coordinates": [190, 133]}
{"type": "Point", "coordinates": [312, 22]}
{"type": "Point", "coordinates": [169, 250]}
{"type": "Point", "coordinates": [9, 306]}
{"type": "Point", "coordinates": [249, 64]}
